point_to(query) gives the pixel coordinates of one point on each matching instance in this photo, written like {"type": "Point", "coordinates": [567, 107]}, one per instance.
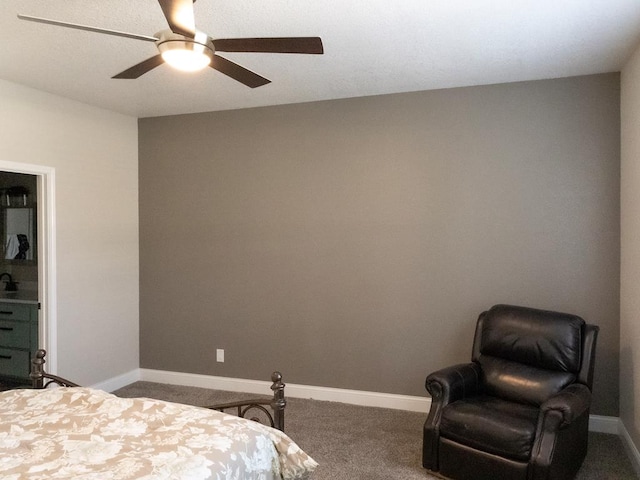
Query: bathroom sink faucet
{"type": "Point", "coordinates": [10, 285]}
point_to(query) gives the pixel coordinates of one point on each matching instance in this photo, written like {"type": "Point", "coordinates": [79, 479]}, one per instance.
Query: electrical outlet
{"type": "Point", "coordinates": [220, 355]}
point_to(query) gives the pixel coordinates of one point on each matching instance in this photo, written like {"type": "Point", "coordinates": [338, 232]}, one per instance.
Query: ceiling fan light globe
{"type": "Point", "coordinates": [186, 56]}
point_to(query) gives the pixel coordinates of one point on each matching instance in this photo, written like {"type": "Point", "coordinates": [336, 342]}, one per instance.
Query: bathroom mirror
{"type": "Point", "coordinates": [18, 223]}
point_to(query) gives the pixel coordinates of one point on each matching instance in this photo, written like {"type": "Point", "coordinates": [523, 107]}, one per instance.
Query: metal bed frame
{"type": "Point", "coordinates": [244, 408]}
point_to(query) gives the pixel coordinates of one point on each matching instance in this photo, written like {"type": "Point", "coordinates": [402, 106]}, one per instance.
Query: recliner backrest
{"type": "Point", "coordinates": [527, 354]}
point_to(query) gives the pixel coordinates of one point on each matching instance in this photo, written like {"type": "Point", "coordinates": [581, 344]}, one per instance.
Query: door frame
{"type": "Point", "coordinates": [47, 292]}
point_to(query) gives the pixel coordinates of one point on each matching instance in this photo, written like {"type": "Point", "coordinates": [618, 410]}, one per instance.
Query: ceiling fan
{"type": "Point", "coordinates": [186, 48]}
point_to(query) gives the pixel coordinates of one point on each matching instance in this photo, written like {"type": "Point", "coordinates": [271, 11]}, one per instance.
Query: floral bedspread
{"type": "Point", "coordinates": [88, 434]}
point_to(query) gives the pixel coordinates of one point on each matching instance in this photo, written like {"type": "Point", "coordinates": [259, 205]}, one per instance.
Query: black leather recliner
{"type": "Point", "coordinates": [520, 409]}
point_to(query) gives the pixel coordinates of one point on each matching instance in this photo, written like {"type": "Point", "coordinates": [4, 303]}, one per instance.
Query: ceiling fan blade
{"type": "Point", "coordinates": [87, 28]}
{"type": "Point", "coordinates": [141, 68]}
{"type": "Point", "coordinates": [238, 72]}
{"type": "Point", "coordinates": [179, 15]}
{"type": "Point", "coordinates": [311, 45]}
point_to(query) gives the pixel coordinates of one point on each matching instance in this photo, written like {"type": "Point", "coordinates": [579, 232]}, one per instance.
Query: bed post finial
{"type": "Point", "coordinates": [279, 401]}
{"type": "Point", "coordinates": [37, 369]}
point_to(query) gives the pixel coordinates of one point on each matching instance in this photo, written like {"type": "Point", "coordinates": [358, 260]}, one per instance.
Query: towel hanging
{"type": "Point", "coordinates": [12, 246]}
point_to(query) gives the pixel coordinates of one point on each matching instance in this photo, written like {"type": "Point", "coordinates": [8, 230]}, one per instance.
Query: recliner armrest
{"type": "Point", "coordinates": [562, 432]}
{"type": "Point", "coordinates": [571, 402]}
{"type": "Point", "coordinates": [453, 383]}
{"type": "Point", "coordinates": [445, 386]}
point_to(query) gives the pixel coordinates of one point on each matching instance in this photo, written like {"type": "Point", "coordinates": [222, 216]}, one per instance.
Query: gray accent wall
{"type": "Point", "coordinates": [353, 243]}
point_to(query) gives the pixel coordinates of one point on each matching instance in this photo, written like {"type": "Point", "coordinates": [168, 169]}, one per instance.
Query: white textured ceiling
{"type": "Point", "coordinates": [371, 47]}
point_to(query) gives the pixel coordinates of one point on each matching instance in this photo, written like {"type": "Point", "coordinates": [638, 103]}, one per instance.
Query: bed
{"type": "Point", "coordinates": [84, 433]}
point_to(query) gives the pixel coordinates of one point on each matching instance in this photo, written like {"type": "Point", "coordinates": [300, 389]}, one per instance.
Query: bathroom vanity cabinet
{"type": "Point", "coordinates": [18, 338]}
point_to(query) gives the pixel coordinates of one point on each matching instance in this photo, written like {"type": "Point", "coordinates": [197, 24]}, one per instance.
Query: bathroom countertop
{"type": "Point", "coordinates": [25, 296]}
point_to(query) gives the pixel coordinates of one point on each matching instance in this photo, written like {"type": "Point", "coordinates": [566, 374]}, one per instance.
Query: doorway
{"type": "Point", "coordinates": [28, 259]}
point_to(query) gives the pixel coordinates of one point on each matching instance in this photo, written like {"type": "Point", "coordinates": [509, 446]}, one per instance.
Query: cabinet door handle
{"type": "Point", "coordinates": [5, 357]}
{"type": "Point", "coordinates": [6, 329]}
{"type": "Point", "coordinates": [5, 312]}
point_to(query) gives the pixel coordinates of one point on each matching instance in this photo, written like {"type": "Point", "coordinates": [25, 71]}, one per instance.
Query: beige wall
{"type": "Point", "coordinates": [352, 243]}
{"type": "Point", "coordinates": [94, 153]}
{"type": "Point", "coordinates": [630, 255]}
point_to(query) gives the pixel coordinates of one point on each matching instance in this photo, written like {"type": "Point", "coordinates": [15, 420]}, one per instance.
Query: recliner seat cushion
{"type": "Point", "coordinates": [492, 425]}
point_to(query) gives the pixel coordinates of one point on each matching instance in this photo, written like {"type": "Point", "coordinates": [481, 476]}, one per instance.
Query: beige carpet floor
{"type": "Point", "coordinates": [351, 442]}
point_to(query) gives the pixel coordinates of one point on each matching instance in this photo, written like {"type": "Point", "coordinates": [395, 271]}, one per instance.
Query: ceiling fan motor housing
{"type": "Point", "coordinates": [175, 47]}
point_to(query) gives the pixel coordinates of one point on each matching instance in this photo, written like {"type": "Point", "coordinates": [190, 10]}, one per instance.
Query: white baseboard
{"type": "Point", "coordinates": [205, 381]}
{"type": "Point", "coordinates": [355, 397]}
{"type": "Point", "coordinates": [120, 381]}
{"type": "Point", "coordinates": [363, 398]}
{"type": "Point", "coordinates": [630, 447]}
{"type": "Point", "coordinates": [604, 424]}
